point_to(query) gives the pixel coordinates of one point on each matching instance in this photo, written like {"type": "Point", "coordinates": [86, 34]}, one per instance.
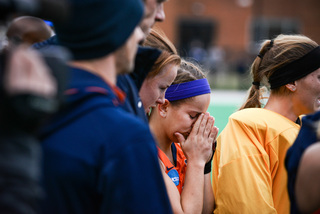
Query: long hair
{"type": "Point", "coordinates": [274, 54]}
{"type": "Point", "coordinates": [187, 72]}
{"type": "Point", "coordinates": [158, 39]}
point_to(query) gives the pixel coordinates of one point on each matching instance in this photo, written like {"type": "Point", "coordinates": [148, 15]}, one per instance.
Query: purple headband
{"type": "Point", "coordinates": [187, 89]}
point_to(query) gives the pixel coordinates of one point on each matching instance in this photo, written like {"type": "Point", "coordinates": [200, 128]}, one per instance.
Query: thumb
{"type": "Point", "coordinates": [180, 138]}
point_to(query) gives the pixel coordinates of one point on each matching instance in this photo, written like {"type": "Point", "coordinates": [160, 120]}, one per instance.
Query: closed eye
{"type": "Point", "coordinates": [193, 117]}
{"type": "Point", "coordinates": [164, 88]}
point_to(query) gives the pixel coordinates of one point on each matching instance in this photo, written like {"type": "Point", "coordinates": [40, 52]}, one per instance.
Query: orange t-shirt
{"type": "Point", "coordinates": [177, 170]}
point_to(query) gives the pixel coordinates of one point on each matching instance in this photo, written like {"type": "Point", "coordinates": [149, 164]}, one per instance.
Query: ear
{"type": "Point", "coordinates": [291, 86]}
{"type": "Point", "coordinates": [163, 108]}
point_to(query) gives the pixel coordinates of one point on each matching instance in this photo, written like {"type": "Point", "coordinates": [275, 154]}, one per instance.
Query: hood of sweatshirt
{"type": "Point", "coordinates": [83, 86]}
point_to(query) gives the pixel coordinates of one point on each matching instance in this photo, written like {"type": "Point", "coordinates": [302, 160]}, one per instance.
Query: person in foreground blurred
{"type": "Point", "coordinates": [87, 156]}
{"type": "Point", "coordinates": [27, 86]}
{"type": "Point", "coordinates": [307, 185]}
{"type": "Point", "coordinates": [27, 30]}
{"type": "Point", "coordinates": [153, 12]}
{"type": "Point", "coordinates": [249, 173]}
{"type": "Point", "coordinates": [185, 132]}
{"type": "Point", "coordinates": [145, 60]}
{"type": "Point", "coordinates": [302, 164]}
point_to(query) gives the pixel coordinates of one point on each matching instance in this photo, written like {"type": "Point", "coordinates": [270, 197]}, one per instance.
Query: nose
{"type": "Point", "coordinates": [161, 100]}
{"type": "Point", "coordinates": [160, 15]}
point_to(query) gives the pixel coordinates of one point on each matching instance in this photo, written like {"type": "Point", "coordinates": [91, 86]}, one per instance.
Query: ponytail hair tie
{"type": "Point", "coordinates": [270, 45]}
{"type": "Point", "coordinates": [256, 84]}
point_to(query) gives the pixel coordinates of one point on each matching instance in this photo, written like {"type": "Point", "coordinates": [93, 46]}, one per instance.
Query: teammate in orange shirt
{"type": "Point", "coordinates": [182, 119]}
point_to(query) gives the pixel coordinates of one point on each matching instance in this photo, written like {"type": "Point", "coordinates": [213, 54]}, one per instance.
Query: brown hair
{"type": "Point", "coordinates": [274, 54]}
{"type": "Point", "coordinates": [158, 39]}
{"type": "Point", "coordinates": [187, 72]}
{"type": "Point", "coordinates": [28, 29]}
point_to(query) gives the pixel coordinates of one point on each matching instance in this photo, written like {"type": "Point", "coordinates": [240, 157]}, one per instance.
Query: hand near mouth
{"type": "Point", "coordinates": [198, 147]}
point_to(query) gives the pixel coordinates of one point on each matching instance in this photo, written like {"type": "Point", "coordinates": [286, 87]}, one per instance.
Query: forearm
{"type": "Point", "coordinates": [208, 197]}
{"type": "Point", "coordinates": [193, 190]}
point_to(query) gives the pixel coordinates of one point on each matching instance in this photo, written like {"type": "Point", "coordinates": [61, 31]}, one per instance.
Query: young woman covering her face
{"type": "Point", "coordinates": [249, 174]}
{"type": "Point", "coordinates": [185, 132]}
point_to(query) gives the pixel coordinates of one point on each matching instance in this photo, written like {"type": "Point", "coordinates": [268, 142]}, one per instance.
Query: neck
{"type": "Point", "coordinates": [282, 104]}
{"type": "Point", "coordinates": [104, 67]}
{"type": "Point", "coordinates": [163, 142]}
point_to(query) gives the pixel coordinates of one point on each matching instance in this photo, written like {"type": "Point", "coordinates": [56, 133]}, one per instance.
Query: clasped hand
{"type": "Point", "coordinates": [199, 145]}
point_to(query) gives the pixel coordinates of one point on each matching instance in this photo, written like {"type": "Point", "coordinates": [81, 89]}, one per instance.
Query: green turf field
{"type": "Point", "coordinates": [223, 104]}
{"type": "Point", "coordinates": [221, 114]}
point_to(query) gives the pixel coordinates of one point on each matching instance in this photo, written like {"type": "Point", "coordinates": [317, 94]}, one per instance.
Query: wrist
{"type": "Point", "coordinates": [196, 163]}
{"type": "Point", "coordinates": [208, 165]}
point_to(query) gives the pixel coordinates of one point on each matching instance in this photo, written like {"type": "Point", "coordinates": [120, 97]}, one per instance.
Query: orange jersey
{"type": "Point", "coordinates": [177, 170]}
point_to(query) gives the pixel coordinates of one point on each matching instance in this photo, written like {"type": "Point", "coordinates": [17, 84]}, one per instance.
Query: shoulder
{"type": "Point", "coordinates": [127, 84]}
{"type": "Point", "coordinates": [116, 131]}
{"type": "Point", "coordinates": [311, 157]}
{"type": "Point", "coordinates": [251, 114]}
{"type": "Point", "coordinates": [261, 118]}
{"type": "Point", "coordinates": [115, 116]}
{"type": "Point", "coordinates": [307, 184]}
{"type": "Point", "coordinates": [259, 125]}
{"type": "Point", "coordinates": [247, 115]}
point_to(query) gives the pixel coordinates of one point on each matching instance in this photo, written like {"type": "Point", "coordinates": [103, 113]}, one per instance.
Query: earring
{"type": "Point", "coordinates": [293, 89]}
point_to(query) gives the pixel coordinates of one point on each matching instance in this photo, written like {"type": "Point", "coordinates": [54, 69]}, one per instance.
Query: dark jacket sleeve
{"type": "Point", "coordinates": [19, 173]}
{"type": "Point", "coordinates": [306, 137]}
{"type": "Point", "coordinates": [136, 183]}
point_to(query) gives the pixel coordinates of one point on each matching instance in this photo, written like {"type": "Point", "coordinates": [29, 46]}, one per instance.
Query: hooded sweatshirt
{"type": "Point", "coordinates": [97, 158]}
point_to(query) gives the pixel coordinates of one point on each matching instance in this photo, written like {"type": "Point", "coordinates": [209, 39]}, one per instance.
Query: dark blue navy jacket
{"type": "Point", "coordinates": [98, 158]}
{"type": "Point", "coordinates": [131, 84]}
{"type": "Point", "coordinates": [306, 137]}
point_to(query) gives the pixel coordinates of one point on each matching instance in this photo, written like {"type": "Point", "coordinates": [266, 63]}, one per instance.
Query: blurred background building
{"type": "Point", "coordinates": [224, 35]}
